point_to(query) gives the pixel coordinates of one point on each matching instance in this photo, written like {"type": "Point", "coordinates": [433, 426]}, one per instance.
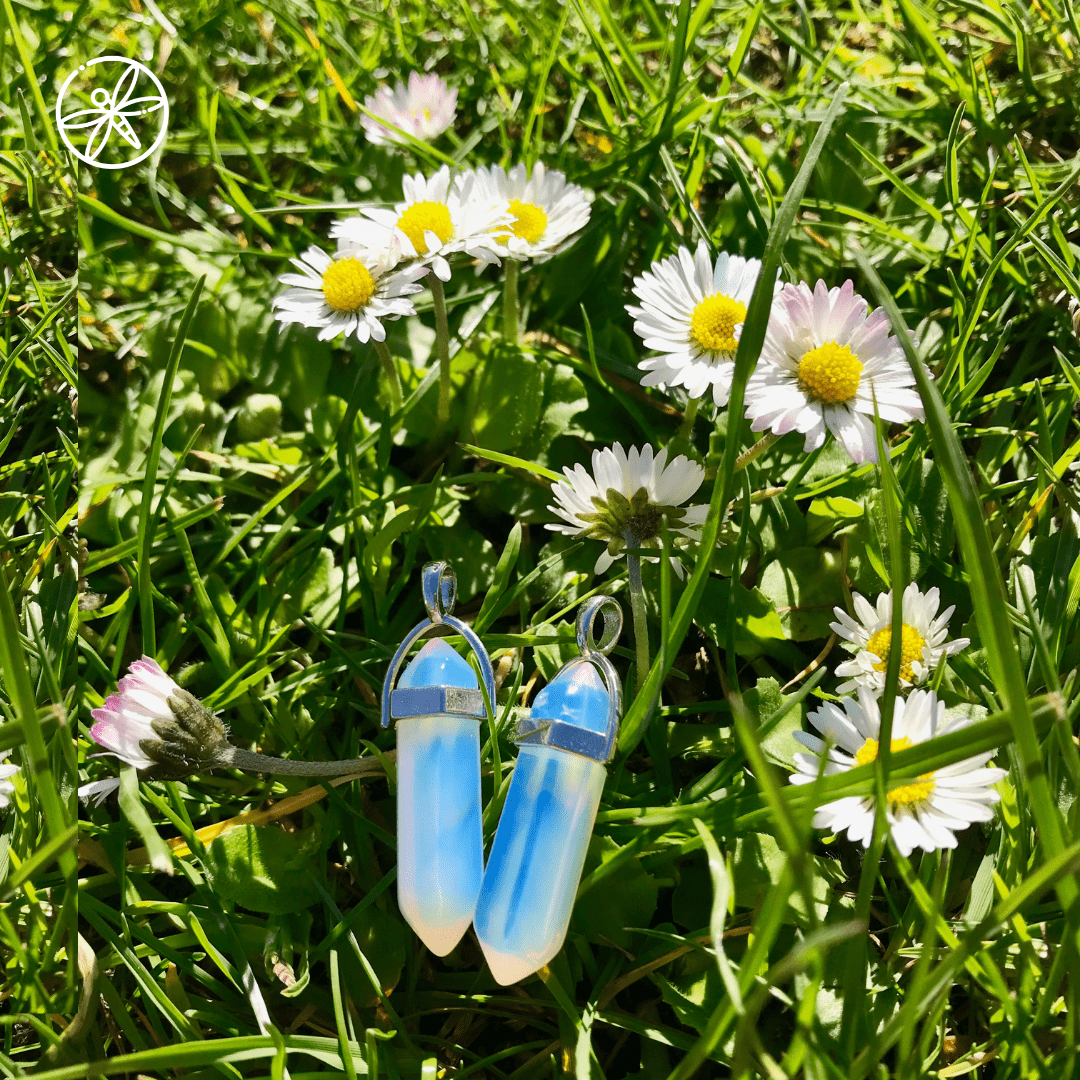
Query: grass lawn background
{"type": "Point", "coordinates": [290, 522]}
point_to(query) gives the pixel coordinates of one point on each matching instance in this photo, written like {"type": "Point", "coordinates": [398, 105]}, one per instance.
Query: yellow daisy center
{"type": "Point", "coordinates": [909, 794]}
{"type": "Point", "coordinates": [713, 323]}
{"type": "Point", "coordinates": [347, 285]}
{"type": "Point", "coordinates": [425, 217]}
{"type": "Point", "coordinates": [529, 222]}
{"type": "Point", "coordinates": [830, 373]}
{"type": "Point", "coordinates": [911, 647]}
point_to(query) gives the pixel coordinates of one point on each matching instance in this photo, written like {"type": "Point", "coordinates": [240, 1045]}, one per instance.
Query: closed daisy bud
{"type": "Point", "coordinates": [924, 813]}
{"type": "Point", "coordinates": [424, 108]}
{"type": "Point", "coordinates": [167, 733]}
{"type": "Point", "coordinates": [824, 363]}
{"type": "Point", "coordinates": [626, 498]}
{"type": "Point", "coordinates": [159, 727]}
{"type": "Point", "coordinates": [869, 636]}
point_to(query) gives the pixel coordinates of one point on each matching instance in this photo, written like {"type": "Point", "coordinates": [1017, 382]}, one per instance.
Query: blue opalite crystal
{"type": "Point", "coordinates": [437, 664]}
{"type": "Point", "coordinates": [576, 696]}
{"type": "Point", "coordinates": [535, 864]}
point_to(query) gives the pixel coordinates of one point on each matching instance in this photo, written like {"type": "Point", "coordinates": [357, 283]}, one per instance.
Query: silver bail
{"type": "Point", "coordinates": [599, 746]}
{"type": "Point", "coordinates": [439, 586]}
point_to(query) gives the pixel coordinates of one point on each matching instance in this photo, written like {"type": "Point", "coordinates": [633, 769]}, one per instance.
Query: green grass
{"type": "Point", "coordinates": [39, 569]}
{"type": "Point", "coordinates": [267, 551]}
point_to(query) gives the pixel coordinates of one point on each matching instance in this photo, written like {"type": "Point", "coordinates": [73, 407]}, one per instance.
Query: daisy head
{"type": "Point", "coordinates": [157, 726]}
{"type": "Point", "coordinates": [353, 291]}
{"type": "Point", "coordinates": [926, 812]}
{"type": "Point", "coordinates": [546, 210]}
{"type": "Point", "coordinates": [424, 108]}
{"type": "Point", "coordinates": [626, 498]}
{"type": "Point", "coordinates": [439, 216]}
{"type": "Point", "coordinates": [824, 362]}
{"type": "Point", "coordinates": [924, 639]}
{"type": "Point", "coordinates": [7, 783]}
{"type": "Point", "coordinates": [692, 313]}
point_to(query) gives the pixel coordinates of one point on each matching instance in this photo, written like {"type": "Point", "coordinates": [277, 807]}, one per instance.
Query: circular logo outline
{"type": "Point", "coordinates": [117, 120]}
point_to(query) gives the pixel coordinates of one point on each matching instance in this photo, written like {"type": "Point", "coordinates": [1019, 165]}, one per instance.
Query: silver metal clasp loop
{"type": "Point", "coordinates": [439, 585]}
{"type": "Point", "coordinates": [599, 746]}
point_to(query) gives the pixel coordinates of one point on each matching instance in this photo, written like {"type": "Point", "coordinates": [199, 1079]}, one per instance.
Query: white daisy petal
{"type": "Point", "coordinates": [868, 634]}
{"type": "Point", "coordinates": [648, 488]}
{"type": "Point", "coordinates": [839, 360]}
{"type": "Point", "coordinates": [424, 108]}
{"type": "Point", "coordinates": [692, 311]}
{"type": "Point", "coordinates": [352, 291]}
{"type": "Point", "coordinates": [926, 812]}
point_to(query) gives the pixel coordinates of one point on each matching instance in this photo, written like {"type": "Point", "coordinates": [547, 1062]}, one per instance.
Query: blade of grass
{"type": "Point", "coordinates": [147, 518]}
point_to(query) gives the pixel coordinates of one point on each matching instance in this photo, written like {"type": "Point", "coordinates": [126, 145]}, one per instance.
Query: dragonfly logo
{"type": "Point", "coordinates": [128, 109]}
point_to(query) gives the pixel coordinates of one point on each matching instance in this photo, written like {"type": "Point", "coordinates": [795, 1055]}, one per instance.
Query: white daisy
{"type": "Point", "coordinates": [823, 362]}
{"type": "Point", "coordinates": [692, 313]}
{"type": "Point", "coordinates": [353, 291]}
{"type": "Point", "coordinates": [7, 788]}
{"type": "Point", "coordinates": [924, 639]}
{"type": "Point", "coordinates": [626, 498]}
{"type": "Point", "coordinates": [546, 209]}
{"type": "Point", "coordinates": [425, 109]}
{"type": "Point", "coordinates": [926, 813]}
{"type": "Point", "coordinates": [440, 215]}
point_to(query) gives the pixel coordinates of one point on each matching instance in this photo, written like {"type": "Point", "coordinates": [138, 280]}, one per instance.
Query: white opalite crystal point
{"type": "Point", "coordinates": [440, 836]}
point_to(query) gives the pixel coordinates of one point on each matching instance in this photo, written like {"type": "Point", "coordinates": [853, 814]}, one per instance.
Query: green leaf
{"type": "Point", "coordinates": [625, 899]}
{"type": "Point", "coordinates": [828, 514]}
{"type": "Point", "coordinates": [265, 868]}
{"type": "Point", "coordinates": [384, 940]}
{"type": "Point", "coordinates": [804, 585]}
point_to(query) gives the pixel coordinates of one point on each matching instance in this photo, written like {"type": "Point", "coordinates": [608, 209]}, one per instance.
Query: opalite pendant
{"type": "Point", "coordinates": [535, 864]}
{"type": "Point", "coordinates": [439, 833]}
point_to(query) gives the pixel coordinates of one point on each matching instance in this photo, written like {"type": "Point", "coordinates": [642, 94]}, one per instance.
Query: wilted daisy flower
{"type": "Point", "coordinates": [439, 216]}
{"type": "Point", "coordinates": [546, 209]}
{"type": "Point", "coordinates": [352, 291]}
{"type": "Point", "coordinates": [7, 788]}
{"type": "Point", "coordinates": [626, 498]}
{"type": "Point", "coordinates": [692, 313]}
{"type": "Point", "coordinates": [157, 726]}
{"type": "Point", "coordinates": [925, 813]}
{"type": "Point", "coordinates": [168, 734]}
{"type": "Point", "coordinates": [425, 109]}
{"type": "Point", "coordinates": [923, 639]}
{"type": "Point", "coordinates": [823, 362]}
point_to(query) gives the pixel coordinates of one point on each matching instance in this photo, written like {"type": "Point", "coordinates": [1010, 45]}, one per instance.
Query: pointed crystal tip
{"type": "Point", "coordinates": [576, 696]}
{"type": "Point", "coordinates": [508, 968]}
{"type": "Point", "coordinates": [437, 664]}
{"type": "Point", "coordinates": [441, 940]}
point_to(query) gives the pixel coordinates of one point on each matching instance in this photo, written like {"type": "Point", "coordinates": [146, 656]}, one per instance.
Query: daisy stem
{"type": "Point", "coordinates": [442, 332]}
{"type": "Point", "coordinates": [686, 428]}
{"type": "Point", "coordinates": [510, 302]}
{"type": "Point", "coordinates": [244, 759]}
{"type": "Point", "coordinates": [755, 451]}
{"type": "Point", "coordinates": [641, 629]}
{"type": "Point", "coordinates": [391, 370]}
